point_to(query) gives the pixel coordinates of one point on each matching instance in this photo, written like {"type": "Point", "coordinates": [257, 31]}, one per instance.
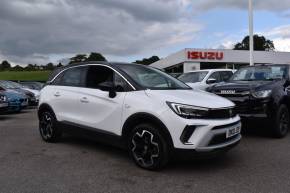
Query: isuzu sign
{"type": "Point", "coordinates": [194, 55]}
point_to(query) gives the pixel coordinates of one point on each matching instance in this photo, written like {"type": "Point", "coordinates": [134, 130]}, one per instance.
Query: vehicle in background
{"type": "Point", "coordinates": [32, 85]}
{"type": "Point", "coordinates": [202, 79]}
{"type": "Point", "coordinates": [3, 103]}
{"type": "Point", "coordinates": [261, 93]}
{"type": "Point", "coordinates": [34, 91]}
{"type": "Point", "coordinates": [16, 101]}
{"type": "Point", "coordinates": [175, 75]}
{"type": "Point", "coordinates": [147, 111]}
{"type": "Point", "coordinates": [9, 85]}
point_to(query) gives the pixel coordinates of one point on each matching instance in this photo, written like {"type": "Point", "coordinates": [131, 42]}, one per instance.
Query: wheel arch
{"type": "Point", "coordinates": [137, 118]}
{"type": "Point", "coordinates": [286, 102]}
{"type": "Point", "coordinates": [43, 107]}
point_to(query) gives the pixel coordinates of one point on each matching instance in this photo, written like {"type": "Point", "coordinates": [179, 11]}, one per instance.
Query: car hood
{"type": "Point", "coordinates": [246, 85]}
{"type": "Point", "coordinates": [35, 92]}
{"type": "Point", "coordinates": [11, 94]}
{"type": "Point", "coordinates": [190, 97]}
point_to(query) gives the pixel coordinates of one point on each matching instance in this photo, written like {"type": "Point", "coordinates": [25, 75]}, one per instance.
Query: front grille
{"type": "Point", "coordinates": [221, 113]}
{"type": "Point", "coordinates": [241, 100]}
{"type": "Point", "coordinates": [225, 126]}
{"type": "Point", "coordinates": [220, 138]}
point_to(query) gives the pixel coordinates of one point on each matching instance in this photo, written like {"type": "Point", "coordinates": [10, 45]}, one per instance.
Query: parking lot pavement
{"type": "Point", "coordinates": [27, 164]}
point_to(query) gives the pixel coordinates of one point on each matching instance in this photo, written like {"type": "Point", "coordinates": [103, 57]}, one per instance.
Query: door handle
{"type": "Point", "coordinates": [84, 100]}
{"type": "Point", "coordinates": [57, 94]}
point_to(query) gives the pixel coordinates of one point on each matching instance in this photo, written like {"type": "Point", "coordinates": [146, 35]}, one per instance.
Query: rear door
{"type": "Point", "coordinates": [65, 93]}
{"type": "Point", "coordinates": [97, 109]}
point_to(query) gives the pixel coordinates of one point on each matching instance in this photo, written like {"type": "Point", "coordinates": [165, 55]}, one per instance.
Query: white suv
{"type": "Point", "coordinates": [202, 79]}
{"type": "Point", "coordinates": [141, 108]}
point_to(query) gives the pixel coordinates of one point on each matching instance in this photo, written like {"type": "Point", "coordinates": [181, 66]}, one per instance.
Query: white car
{"type": "Point", "coordinates": [140, 108]}
{"type": "Point", "coordinates": [202, 79]}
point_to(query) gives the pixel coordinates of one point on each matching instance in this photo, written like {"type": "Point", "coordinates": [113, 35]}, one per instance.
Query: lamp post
{"type": "Point", "coordinates": [251, 37]}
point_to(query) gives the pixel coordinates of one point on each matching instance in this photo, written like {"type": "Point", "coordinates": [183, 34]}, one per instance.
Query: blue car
{"type": "Point", "coordinates": [16, 101]}
{"type": "Point", "coordinates": [3, 103]}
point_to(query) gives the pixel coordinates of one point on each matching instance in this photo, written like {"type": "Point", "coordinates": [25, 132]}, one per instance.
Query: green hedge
{"type": "Point", "coordinates": [24, 75]}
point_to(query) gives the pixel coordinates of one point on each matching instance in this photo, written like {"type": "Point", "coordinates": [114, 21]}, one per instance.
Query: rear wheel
{"type": "Point", "coordinates": [282, 122]}
{"type": "Point", "coordinates": [148, 147]}
{"type": "Point", "coordinates": [48, 127]}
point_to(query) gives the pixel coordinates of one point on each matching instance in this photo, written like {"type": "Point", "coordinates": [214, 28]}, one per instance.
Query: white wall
{"type": "Point", "coordinates": [187, 67]}
{"type": "Point", "coordinates": [230, 56]}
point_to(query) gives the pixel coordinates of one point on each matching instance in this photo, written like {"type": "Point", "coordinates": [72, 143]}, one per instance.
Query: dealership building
{"type": "Point", "coordinates": [195, 59]}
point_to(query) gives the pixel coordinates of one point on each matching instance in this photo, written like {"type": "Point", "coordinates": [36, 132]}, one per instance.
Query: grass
{"type": "Point", "coordinates": [24, 75]}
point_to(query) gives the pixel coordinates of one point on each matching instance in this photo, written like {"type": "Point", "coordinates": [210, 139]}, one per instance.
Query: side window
{"type": "Point", "coordinates": [215, 75]}
{"type": "Point", "coordinates": [226, 75]}
{"type": "Point", "coordinates": [99, 77]}
{"type": "Point", "coordinates": [72, 77]}
{"type": "Point", "coordinates": [120, 84]}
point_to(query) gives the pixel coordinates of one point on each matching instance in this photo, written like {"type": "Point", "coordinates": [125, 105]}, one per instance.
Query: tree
{"type": "Point", "coordinates": [17, 68]}
{"type": "Point", "coordinates": [148, 61]}
{"type": "Point", "coordinates": [49, 66]}
{"type": "Point", "coordinates": [260, 44]}
{"type": "Point", "coordinates": [78, 58]}
{"type": "Point", "coordinates": [96, 57]}
{"type": "Point", "coordinates": [5, 65]}
{"type": "Point", "coordinates": [59, 65]}
{"type": "Point", "coordinates": [29, 67]}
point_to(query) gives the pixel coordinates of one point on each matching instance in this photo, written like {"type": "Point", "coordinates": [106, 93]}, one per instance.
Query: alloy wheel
{"type": "Point", "coordinates": [144, 149]}
{"type": "Point", "coordinates": [46, 125]}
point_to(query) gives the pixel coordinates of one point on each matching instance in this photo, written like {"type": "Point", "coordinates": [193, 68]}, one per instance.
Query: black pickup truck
{"type": "Point", "coordinates": [260, 92]}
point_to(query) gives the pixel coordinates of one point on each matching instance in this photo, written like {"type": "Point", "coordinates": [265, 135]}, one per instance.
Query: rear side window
{"type": "Point", "coordinates": [72, 77]}
{"type": "Point", "coordinates": [226, 75]}
{"type": "Point", "coordinates": [215, 75]}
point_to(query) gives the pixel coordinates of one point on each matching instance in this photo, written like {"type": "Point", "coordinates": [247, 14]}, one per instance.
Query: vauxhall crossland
{"type": "Point", "coordinates": [143, 109]}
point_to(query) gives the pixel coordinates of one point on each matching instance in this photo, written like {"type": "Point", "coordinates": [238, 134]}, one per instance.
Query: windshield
{"type": "Point", "coordinates": [260, 73]}
{"type": "Point", "coordinates": [193, 76]}
{"type": "Point", "coordinates": [9, 85]}
{"type": "Point", "coordinates": [151, 78]}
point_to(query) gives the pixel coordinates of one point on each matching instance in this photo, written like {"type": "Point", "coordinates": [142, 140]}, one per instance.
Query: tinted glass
{"type": "Point", "coordinates": [226, 75]}
{"type": "Point", "coordinates": [72, 77]}
{"type": "Point", "coordinates": [193, 76]}
{"type": "Point", "coordinates": [215, 75]}
{"type": "Point", "coordinates": [120, 84]}
{"type": "Point", "coordinates": [260, 73]}
{"type": "Point", "coordinates": [151, 78]}
{"type": "Point", "coordinates": [98, 76]}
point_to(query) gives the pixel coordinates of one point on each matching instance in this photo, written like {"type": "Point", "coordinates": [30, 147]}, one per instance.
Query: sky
{"type": "Point", "coordinates": [42, 31]}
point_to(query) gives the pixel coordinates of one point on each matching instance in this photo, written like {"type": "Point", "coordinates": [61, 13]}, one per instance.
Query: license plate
{"type": "Point", "coordinates": [234, 131]}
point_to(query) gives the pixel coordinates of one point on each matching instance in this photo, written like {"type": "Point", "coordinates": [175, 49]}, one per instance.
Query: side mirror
{"type": "Point", "coordinates": [211, 81]}
{"type": "Point", "coordinates": [108, 86]}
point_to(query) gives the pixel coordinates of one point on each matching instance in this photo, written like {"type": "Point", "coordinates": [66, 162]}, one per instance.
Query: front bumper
{"type": "Point", "coordinates": [249, 107]}
{"type": "Point", "coordinates": [207, 135]}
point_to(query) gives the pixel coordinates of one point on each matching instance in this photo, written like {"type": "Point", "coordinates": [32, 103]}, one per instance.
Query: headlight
{"type": "Point", "coordinates": [262, 93]}
{"type": "Point", "coordinates": [188, 111]}
{"type": "Point", "coordinates": [3, 98]}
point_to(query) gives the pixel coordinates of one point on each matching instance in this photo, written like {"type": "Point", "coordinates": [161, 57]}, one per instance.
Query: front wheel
{"type": "Point", "coordinates": [48, 127]}
{"type": "Point", "coordinates": [282, 122]}
{"type": "Point", "coordinates": [148, 147]}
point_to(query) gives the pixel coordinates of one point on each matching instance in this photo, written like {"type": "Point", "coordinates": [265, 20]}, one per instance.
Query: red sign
{"type": "Point", "coordinates": [205, 55]}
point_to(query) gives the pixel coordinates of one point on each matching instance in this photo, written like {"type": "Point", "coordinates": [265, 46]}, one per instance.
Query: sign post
{"type": "Point", "coordinates": [251, 37]}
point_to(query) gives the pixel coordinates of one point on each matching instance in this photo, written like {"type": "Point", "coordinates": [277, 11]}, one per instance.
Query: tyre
{"type": "Point", "coordinates": [148, 147]}
{"type": "Point", "coordinates": [48, 127]}
{"type": "Point", "coordinates": [282, 122]}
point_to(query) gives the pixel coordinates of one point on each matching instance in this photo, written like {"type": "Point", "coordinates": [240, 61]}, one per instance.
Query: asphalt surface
{"type": "Point", "coordinates": [27, 164]}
